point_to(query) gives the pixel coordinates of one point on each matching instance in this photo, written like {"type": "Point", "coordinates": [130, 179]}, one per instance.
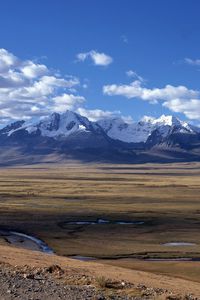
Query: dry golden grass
{"type": "Point", "coordinates": [110, 274]}
{"type": "Point", "coordinates": [40, 199]}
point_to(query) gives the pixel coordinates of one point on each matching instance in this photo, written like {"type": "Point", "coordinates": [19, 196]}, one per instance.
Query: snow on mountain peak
{"type": "Point", "coordinates": [58, 125]}
{"type": "Point", "coordinates": [140, 131]}
{"type": "Point", "coordinates": [147, 119]}
{"type": "Point", "coordinates": [168, 120]}
{"type": "Point", "coordinates": [119, 130]}
{"type": "Point", "coordinates": [62, 125]}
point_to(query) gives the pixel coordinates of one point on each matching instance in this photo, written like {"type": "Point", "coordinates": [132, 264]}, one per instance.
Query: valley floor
{"type": "Point", "coordinates": [137, 221]}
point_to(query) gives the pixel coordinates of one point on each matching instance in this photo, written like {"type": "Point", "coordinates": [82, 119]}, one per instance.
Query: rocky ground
{"type": "Point", "coordinates": [53, 282]}
{"type": "Point", "coordinates": [26, 275]}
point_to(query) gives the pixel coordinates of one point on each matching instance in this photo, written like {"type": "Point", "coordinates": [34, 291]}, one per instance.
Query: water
{"type": "Point", "coordinates": [177, 244]}
{"type": "Point", "coordinates": [34, 243]}
{"type": "Point", "coordinates": [172, 259]}
{"type": "Point", "coordinates": [104, 221]}
{"type": "Point", "coordinates": [83, 258]}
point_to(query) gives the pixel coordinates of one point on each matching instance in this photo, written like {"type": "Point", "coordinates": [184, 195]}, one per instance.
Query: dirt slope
{"type": "Point", "coordinates": [20, 257]}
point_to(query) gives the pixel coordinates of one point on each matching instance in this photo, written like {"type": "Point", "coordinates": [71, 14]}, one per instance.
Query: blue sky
{"type": "Point", "coordinates": [157, 40]}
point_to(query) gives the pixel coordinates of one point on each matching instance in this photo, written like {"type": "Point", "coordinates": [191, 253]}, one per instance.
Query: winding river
{"type": "Point", "coordinates": [25, 241]}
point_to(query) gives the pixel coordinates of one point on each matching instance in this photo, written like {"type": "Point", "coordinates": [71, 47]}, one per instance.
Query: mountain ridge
{"type": "Point", "coordinates": [109, 139]}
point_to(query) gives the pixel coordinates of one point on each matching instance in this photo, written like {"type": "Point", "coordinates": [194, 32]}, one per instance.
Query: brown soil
{"type": "Point", "coordinates": [34, 275]}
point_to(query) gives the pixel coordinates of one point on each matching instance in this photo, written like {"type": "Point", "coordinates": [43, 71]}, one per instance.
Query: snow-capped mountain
{"type": "Point", "coordinates": [140, 132]}
{"type": "Point", "coordinates": [71, 134]}
{"type": "Point", "coordinates": [69, 123]}
{"type": "Point", "coordinates": [55, 126]}
{"type": "Point", "coordinates": [11, 128]}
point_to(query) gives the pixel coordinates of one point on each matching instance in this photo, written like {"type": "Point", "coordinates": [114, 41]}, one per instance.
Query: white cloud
{"type": "Point", "coordinates": [193, 62]}
{"type": "Point", "coordinates": [176, 98]}
{"type": "Point", "coordinates": [99, 59]}
{"type": "Point", "coordinates": [67, 101]}
{"type": "Point", "coordinates": [136, 90]}
{"type": "Point", "coordinates": [7, 60]}
{"type": "Point", "coordinates": [28, 89]}
{"type": "Point", "coordinates": [97, 114]}
{"type": "Point", "coordinates": [189, 107]}
{"type": "Point", "coordinates": [133, 74]}
{"type": "Point", "coordinates": [32, 70]}
{"type": "Point", "coordinates": [82, 56]}
{"type": "Point", "coordinates": [12, 79]}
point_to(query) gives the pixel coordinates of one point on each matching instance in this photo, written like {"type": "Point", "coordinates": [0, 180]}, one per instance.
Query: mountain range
{"type": "Point", "coordinates": [72, 136]}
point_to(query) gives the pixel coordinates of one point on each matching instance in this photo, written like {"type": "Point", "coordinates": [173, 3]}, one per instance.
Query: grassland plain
{"type": "Point", "coordinates": [41, 200]}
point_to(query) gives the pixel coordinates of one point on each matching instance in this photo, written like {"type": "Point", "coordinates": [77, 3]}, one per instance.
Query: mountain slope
{"type": "Point", "coordinates": [55, 126]}
{"type": "Point", "coordinates": [140, 132]}
{"type": "Point", "coordinates": [74, 136]}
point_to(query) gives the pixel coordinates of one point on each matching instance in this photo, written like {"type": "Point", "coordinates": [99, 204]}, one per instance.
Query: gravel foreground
{"type": "Point", "coordinates": [52, 283]}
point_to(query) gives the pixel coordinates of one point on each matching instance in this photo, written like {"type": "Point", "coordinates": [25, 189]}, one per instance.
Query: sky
{"type": "Point", "coordinates": [100, 58]}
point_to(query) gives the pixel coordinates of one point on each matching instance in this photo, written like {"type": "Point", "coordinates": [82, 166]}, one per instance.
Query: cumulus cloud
{"type": "Point", "coordinates": [7, 60]}
{"type": "Point", "coordinates": [28, 89]}
{"type": "Point", "coordinates": [136, 90]}
{"type": "Point", "coordinates": [189, 107]}
{"type": "Point", "coordinates": [192, 62]}
{"type": "Point", "coordinates": [67, 101]}
{"type": "Point", "coordinates": [98, 114]}
{"type": "Point", "coordinates": [32, 70]}
{"type": "Point", "coordinates": [98, 59]}
{"type": "Point", "coordinates": [176, 98]}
